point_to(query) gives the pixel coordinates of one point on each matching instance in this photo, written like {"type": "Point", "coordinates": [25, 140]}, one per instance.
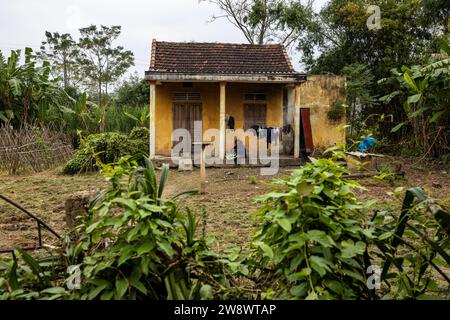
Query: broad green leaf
{"type": "Point", "coordinates": [300, 291]}
{"type": "Point", "coordinates": [267, 250]}
{"type": "Point", "coordinates": [436, 116]}
{"type": "Point", "coordinates": [335, 286]}
{"type": "Point", "coordinates": [410, 82]}
{"type": "Point", "coordinates": [107, 295]}
{"type": "Point", "coordinates": [121, 287]}
{"type": "Point", "coordinates": [54, 290]}
{"type": "Point", "coordinates": [146, 247]}
{"type": "Point", "coordinates": [138, 285]}
{"type": "Point", "coordinates": [166, 247]}
{"type": "Point", "coordinates": [320, 265]}
{"type": "Point", "coordinates": [385, 235]}
{"type": "Point", "coordinates": [321, 237]}
{"type": "Point", "coordinates": [163, 179]}
{"type": "Point", "coordinates": [12, 276]}
{"type": "Point", "coordinates": [349, 249]}
{"type": "Point", "coordinates": [389, 97]}
{"type": "Point", "coordinates": [398, 127]}
{"type": "Point", "coordinates": [92, 226]}
{"type": "Point", "coordinates": [206, 292]}
{"type": "Point", "coordinates": [285, 224]}
{"type": "Point", "coordinates": [418, 112]}
{"type": "Point", "coordinates": [125, 202]}
{"type": "Point", "coordinates": [95, 292]}
{"type": "Point", "coordinates": [415, 98]}
{"type": "Point", "coordinates": [299, 275]}
{"type": "Point", "coordinates": [125, 255]}
{"type": "Point", "coordinates": [304, 188]}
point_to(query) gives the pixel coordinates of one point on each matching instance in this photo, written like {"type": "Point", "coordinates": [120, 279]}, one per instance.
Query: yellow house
{"type": "Point", "coordinates": [231, 86]}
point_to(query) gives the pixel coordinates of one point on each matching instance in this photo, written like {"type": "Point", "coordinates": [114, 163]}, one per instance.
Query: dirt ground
{"type": "Point", "coordinates": [228, 203]}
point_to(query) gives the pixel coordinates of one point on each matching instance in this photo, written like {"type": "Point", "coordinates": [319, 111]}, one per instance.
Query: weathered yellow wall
{"type": "Point", "coordinates": [318, 93]}
{"type": "Point", "coordinates": [210, 107]}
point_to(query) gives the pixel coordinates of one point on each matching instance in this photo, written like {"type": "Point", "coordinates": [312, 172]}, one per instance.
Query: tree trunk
{"type": "Point", "coordinates": [66, 84]}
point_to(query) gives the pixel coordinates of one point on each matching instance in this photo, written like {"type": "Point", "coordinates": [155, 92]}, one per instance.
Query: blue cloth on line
{"type": "Point", "coordinates": [366, 144]}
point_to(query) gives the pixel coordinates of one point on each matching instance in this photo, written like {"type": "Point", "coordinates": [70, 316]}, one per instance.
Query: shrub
{"type": "Point", "coordinates": [310, 236]}
{"type": "Point", "coordinates": [106, 148]}
{"type": "Point", "coordinates": [137, 245]}
{"type": "Point", "coordinates": [133, 245]}
{"type": "Point", "coordinates": [140, 133]}
{"type": "Point", "coordinates": [316, 241]}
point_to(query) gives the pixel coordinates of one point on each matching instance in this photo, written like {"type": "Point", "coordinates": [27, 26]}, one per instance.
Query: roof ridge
{"type": "Point", "coordinates": [224, 43]}
{"type": "Point", "coordinates": [153, 54]}
{"type": "Point", "coordinates": [288, 59]}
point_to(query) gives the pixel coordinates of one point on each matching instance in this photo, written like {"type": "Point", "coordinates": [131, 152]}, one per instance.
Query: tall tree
{"type": "Point", "coordinates": [61, 51]}
{"type": "Point", "coordinates": [100, 62]}
{"type": "Point", "coordinates": [438, 13]}
{"type": "Point", "coordinates": [132, 92]}
{"type": "Point", "coordinates": [342, 36]}
{"type": "Point", "coordinates": [266, 21]}
{"type": "Point", "coordinates": [360, 82]}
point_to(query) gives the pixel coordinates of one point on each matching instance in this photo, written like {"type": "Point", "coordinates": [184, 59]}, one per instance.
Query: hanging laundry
{"type": "Point", "coordinates": [275, 136]}
{"type": "Point", "coordinates": [230, 122]}
{"type": "Point", "coordinates": [256, 128]}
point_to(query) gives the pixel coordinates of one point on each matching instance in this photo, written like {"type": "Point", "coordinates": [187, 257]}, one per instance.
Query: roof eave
{"type": "Point", "coordinates": [214, 77]}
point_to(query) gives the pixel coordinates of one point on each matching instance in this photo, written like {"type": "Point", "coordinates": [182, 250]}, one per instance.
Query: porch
{"type": "Point", "coordinates": [284, 161]}
{"type": "Point", "coordinates": [224, 114]}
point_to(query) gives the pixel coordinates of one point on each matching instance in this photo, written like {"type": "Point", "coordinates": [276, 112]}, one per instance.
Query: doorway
{"type": "Point", "coordinates": [255, 115]}
{"type": "Point", "coordinates": [306, 141]}
{"type": "Point", "coordinates": [184, 116]}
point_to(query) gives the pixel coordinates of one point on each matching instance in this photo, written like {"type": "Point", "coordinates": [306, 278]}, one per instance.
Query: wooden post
{"type": "Point", "coordinates": [222, 120]}
{"type": "Point", "coordinates": [202, 166]}
{"type": "Point", "coordinates": [202, 171]}
{"type": "Point", "coordinates": [152, 119]}
{"type": "Point", "coordinates": [297, 122]}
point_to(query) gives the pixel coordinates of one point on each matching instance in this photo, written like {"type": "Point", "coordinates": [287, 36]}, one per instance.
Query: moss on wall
{"type": "Point", "coordinates": [318, 94]}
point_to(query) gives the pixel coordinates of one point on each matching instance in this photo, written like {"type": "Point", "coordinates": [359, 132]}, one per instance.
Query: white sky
{"type": "Point", "coordinates": [24, 22]}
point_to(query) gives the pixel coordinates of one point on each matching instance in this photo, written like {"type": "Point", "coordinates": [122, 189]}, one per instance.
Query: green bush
{"type": "Point", "coordinates": [133, 245]}
{"type": "Point", "coordinates": [141, 134]}
{"type": "Point", "coordinates": [310, 235]}
{"type": "Point", "coordinates": [316, 241]}
{"type": "Point", "coordinates": [148, 248]}
{"type": "Point", "coordinates": [106, 148]}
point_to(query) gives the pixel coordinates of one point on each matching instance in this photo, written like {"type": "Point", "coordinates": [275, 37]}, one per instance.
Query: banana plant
{"type": "Point", "coordinates": [424, 92]}
{"type": "Point", "coordinates": [85, 114]}
{"type": "Point", "coordinates": [141, 120]}
{"type": "Point", "coordinates": [27, 89]}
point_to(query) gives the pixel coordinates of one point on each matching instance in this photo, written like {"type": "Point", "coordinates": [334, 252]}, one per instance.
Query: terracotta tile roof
{"type": "Point", "coordinates": [219, 58]}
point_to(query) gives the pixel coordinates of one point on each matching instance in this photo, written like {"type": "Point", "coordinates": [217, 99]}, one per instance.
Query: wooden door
{"type": "Point", "coordinates": [254, 115]}
{"type": "Point", "coordinates": [184, 115]}
{"type": "Point", "coordinates": [306, 131]}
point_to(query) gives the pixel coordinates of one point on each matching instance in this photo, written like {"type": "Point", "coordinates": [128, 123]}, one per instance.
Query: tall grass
{"type": "Point", "coordinates": [120, 118]}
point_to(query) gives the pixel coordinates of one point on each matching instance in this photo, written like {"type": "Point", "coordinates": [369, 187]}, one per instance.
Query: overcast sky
{"type": "Point", "coordinates": [24, 22]}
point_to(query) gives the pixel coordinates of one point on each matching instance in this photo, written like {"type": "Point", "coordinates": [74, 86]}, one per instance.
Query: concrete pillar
{"type": "Point", "coordinates": [152, 119]}
{"type": "Point", "coordinates": [288, 119]}
{"type": "Point", "coordinates": [222, 120]}
{"type": "Point", "coordinates": [297, 122]}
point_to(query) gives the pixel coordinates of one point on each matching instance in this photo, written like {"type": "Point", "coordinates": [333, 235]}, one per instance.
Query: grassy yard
{"type": "Point", "coordinates": [228, 203]}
